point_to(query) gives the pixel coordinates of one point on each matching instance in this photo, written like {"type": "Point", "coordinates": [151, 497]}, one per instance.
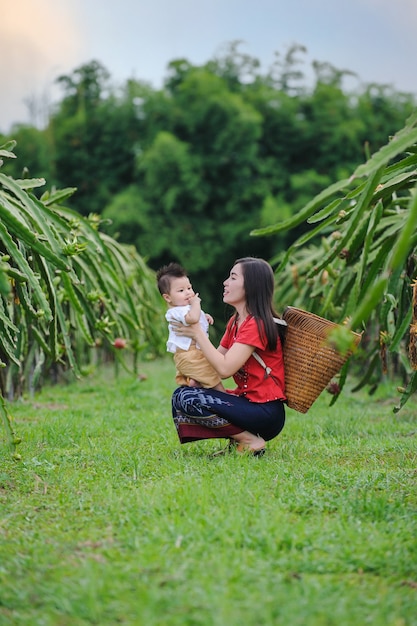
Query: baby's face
{"type": "Point", "coordinates": [180, 293]}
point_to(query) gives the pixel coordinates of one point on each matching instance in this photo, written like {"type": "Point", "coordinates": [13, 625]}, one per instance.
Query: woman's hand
{"type": "Point", "coordinates": [192, 330]}
{"type": "Point", "coordinates": [225, 362]}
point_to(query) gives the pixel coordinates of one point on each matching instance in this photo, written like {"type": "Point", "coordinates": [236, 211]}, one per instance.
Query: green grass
{"type": "Point", "coordinates": [107, 520]}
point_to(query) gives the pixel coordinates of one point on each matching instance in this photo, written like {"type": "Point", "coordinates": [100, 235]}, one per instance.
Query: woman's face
{"type": "Point", "coordinates": [234, 291]}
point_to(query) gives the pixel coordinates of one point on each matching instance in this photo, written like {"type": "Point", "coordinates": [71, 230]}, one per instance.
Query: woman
{"type": "Point", "coordinates": [254, 412]}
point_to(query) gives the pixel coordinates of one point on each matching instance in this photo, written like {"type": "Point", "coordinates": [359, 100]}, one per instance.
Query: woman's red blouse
{"type": "Point", "coordinates": [250, 379]}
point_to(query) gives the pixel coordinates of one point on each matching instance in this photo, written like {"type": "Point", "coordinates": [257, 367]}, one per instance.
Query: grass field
{"type": "Point", "coordinates": [107, 520]}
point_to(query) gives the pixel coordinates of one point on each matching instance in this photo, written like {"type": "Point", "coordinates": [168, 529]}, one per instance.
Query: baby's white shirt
{"type": "Point", "coordinates": [177, 314]}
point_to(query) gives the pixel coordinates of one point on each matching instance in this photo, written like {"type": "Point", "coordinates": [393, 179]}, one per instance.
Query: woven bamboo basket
{"type": "Point", "coordinates": [310, 362]}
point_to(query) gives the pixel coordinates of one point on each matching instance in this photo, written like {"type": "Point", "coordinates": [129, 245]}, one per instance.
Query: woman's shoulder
{"type": "Point", "coordinates": [250, 332]}
{"type": "Point", "coordinates": [253, 323]}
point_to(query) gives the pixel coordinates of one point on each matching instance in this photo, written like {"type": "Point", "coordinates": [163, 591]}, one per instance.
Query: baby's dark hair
{"type": "Point", "coordinates": [166, 273]}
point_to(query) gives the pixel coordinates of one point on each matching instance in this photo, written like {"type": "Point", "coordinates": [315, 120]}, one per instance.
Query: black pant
{"type": "Point", "coordinates": [265, 419]}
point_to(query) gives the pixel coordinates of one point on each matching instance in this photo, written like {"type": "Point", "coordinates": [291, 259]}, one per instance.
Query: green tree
{"type": "Point", "coordinates": [246, 148]}
{"type": "Point", "coordinates": [94, 137]}
{"type": "Point", "coordinates": [234, 67]}
{"type": "Point", "coordinates": [34, 151]}
{"type": "Point", "coordinates": [196, 185]}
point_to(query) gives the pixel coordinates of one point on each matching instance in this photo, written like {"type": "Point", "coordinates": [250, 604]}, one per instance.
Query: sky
{"type": "Point", "coordinates": [43, 39]}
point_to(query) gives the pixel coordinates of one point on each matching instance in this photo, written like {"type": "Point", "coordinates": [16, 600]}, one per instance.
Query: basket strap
{"type": "Point", "coordinates": [277, 320]}
{"type": "Point", "coordinates": [260, 360]}
{"type": "Point", "coordinates": [268, 370]}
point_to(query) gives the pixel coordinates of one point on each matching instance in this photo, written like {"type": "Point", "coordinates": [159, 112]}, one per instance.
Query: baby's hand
{"type": "Point", "coordinates": [194, 313]}
{"type": "Point", "coordinates": [196, 298]}
{"type": "Point", "coordinates": [210, 319]}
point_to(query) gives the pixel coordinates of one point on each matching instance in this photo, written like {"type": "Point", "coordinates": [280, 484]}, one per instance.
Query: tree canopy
{"type": "Point", "coordinates": [186, 171]}
{"type": "Point", "coordinates": [190, 171]}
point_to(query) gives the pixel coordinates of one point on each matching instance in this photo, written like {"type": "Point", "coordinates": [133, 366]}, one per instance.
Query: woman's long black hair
{"type": "Point", "coordinates": [258, 282]}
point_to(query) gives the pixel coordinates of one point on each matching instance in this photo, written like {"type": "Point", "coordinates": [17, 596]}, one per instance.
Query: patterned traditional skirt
{"type": "Point", "coordinates": [206, 413]}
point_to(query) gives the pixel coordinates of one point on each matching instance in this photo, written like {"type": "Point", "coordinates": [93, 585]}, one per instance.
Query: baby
{"type": "Point", "coordinates": [193, 369]}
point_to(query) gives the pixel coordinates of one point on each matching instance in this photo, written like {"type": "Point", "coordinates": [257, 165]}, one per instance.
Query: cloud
{"type": "Point", "coordinates": [38, 40]}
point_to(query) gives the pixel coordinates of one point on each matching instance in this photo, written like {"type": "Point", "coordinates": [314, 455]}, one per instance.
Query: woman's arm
{"type": "Point", "coordinates": [225, 362]}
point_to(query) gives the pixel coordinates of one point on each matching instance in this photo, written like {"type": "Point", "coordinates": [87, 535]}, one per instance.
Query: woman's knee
{"type": "Point", "coordinates": [186, 398]}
